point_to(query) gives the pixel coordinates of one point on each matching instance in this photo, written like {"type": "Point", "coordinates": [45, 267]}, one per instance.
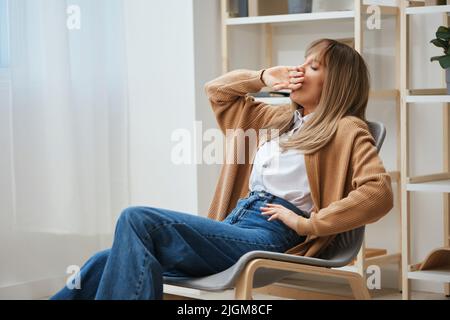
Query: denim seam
{"type": "Point", "coordinates": [239, 215]}
{"type": "Point", "coordinates": [241, 241]}
{"type": "Point", "coordinates": [211, 236]}
{"type": "Point", "coordinates": [141, 276]}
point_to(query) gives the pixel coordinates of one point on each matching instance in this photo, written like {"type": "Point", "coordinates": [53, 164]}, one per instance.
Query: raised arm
{"type": "Point", "coordinates": [232, 105]}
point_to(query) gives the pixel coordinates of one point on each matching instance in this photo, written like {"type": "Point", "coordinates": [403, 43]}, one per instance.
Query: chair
{"type": "Point", "coordinates": [258, 269]}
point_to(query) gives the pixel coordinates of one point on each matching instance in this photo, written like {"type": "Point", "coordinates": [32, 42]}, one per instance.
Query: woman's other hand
{"type": "Point", "coordinates": [278, 212]}
{"type": "Point", "coordinates": [284, 77]}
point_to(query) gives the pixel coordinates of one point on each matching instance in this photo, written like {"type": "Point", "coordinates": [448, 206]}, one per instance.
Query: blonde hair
{"type": "Point", "coordinates": [345, 93]}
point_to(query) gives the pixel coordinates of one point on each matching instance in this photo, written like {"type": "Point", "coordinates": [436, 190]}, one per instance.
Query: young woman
{"type": "Point", "coordinates": [328, 179]}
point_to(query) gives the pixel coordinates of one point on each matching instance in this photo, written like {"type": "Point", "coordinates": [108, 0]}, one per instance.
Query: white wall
{"type": "Point", "coordinates": [207, 50]}
{"type": "Point", "coordinates": [160, 49]}
{"type": "Point", "coordinates": [173, 50]}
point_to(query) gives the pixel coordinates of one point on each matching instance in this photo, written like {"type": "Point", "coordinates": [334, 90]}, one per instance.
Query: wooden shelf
{"type": "Point", "coordinates": [427, 92]}
{"type": "Point", "coordinates": [286, 18]}
{"type": "Point", "coordinates": [442, 186]}
{"type": "Point", "coordinates": [372, 253]}
{"type": "Point", "coordinates": [442, 275]}
{"type": "Point", "coordinates": [428, 99]}
{"type": "Point", "coordinates": [427, 10]}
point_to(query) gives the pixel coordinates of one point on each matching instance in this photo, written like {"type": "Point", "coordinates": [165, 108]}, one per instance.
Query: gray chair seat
{"type": "Point", "coordinates": [340, 252]}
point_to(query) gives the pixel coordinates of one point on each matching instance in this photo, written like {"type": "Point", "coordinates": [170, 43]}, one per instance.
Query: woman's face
{"type": "Point", "coordinates": [309, 94]}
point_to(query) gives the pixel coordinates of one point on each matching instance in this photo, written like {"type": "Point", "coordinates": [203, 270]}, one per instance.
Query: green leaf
{"type": "Point", "coordinates": [443, 29]}
{"type": "Point", "coordinates": [445, 62]}
{"type": "Point", "coordinates": [440, 43]}
{"type": "Point", "coordinates": [443, 33]}
{"type": "Point", "coordinates": [436, 58]}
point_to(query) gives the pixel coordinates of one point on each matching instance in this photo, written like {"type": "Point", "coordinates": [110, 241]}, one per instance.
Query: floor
{"type": "Point", "coordinates": [337, 289]}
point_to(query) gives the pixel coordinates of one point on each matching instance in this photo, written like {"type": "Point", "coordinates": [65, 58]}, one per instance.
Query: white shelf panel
{"type": "Point", "coordinates": [434, 186]}
{"type": "Point", "coordinates": [315, 16]}
{"type": "Point", "coordinates": [428, 99]}
{"type": "Point", "coordinates": [347, 268]}
{"type": "Point", "coordinates": [275, 101]}
{"type": "Point", "coordinates": [427, 10]}
{"type": "Point", "coordinates": [430, 275]}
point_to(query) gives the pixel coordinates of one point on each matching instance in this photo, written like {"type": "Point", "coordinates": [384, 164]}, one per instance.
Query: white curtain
{"type": "Point", "coordinates": [63, 140]}
{"type": "Point", "coordinates": [69, 115]}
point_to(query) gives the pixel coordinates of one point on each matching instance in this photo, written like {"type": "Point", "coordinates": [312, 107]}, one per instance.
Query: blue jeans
{"type": "Point", "coordinates": [150, 243]}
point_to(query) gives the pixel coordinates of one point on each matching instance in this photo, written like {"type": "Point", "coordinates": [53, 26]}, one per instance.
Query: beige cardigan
{"type": "Point", "coordinates": [349, 184]}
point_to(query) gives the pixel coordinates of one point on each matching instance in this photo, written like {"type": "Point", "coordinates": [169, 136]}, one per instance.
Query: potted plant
{"type": "Point", "coordinates": [443, 41]}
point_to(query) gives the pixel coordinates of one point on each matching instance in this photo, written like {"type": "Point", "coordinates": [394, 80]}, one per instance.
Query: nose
{"type": "Point", "coordinates": [302, 67]}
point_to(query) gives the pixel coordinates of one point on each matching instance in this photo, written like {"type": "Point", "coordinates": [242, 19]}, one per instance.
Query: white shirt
{"type": "Point", "coordinates": [283, 174]}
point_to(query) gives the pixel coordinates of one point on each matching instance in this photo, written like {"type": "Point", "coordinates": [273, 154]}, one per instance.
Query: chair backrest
{"type": "Point", "coordinates": [345, 246]}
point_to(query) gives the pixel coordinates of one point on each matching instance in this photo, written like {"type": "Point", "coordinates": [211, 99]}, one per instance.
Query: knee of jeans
{"type": "Point", "coordinates": [102, 255]}
{"type": "Point", "coordinates": [130, 215]}
{"type": "Point", "coordinates": [139, 216]}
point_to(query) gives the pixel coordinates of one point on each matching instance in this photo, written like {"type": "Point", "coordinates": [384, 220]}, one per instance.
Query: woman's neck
{"type": "Point", "coordinates": [305, 110]}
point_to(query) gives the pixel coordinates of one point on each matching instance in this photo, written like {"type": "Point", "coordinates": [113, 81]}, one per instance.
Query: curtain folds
{"type": "Point", "coordinates": [68, 116]}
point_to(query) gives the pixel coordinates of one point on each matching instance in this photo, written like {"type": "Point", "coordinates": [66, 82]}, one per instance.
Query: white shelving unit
{"type": "Point", "coordinates": [427, 10]}
{"type": "Point", "coordinates": [436, 183]}
{"type": "Point", "coordinates": [367, 256]}
{"type": "Point", "coordinates": [434, 275]}
{"type": "Point", "coordinates": [442, 186]}
{"type": "Point", "coordinates": [428, 99]}
{"type": "Point", "coordinates": [278, 19]}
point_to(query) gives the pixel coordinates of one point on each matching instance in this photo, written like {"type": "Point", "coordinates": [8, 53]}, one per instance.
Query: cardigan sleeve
{"type": "Point", "coordinates": [231, 104]}
{"type": "Point", "coordinates": [370, 199]}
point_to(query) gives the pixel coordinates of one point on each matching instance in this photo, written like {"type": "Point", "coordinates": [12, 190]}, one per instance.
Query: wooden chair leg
{"type": "Point", "coordinates": [244, 284]}
{"type": "Point", "coordinates": [359, 288]}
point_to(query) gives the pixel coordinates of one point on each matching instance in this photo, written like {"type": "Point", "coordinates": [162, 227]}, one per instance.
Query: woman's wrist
{"type": "Point", "coordinates": [262, 77]}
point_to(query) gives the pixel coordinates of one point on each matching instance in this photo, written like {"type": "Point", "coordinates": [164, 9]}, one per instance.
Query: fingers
{"type": "Point", "coordinates": [281, 86]}
{"type": "Point", "coordinates": [294, 87]}
{"type": "Point", "coordinates": [293, 84]}
{"type": "Point", "coordinates": [267, 211]}
{"type": "Point", "coordinates": [297, 68]}
{"type": "Point", "coordinates": [294, 74]}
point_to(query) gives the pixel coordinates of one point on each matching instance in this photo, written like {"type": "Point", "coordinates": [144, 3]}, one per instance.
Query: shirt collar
{"type": "Point", "coordinates": [299, 119]}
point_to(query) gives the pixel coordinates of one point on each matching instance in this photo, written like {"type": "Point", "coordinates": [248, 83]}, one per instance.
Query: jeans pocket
{"type": "Point", "coordinates": [236, 214]}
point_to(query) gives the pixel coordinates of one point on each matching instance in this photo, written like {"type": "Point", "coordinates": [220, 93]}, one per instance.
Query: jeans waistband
{"type": "Point", "coordinates": [270, 198]}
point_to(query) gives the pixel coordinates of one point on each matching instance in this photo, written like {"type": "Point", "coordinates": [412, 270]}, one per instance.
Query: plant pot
{"type": "Point", "coordinates": [299, 6]}
{"type": "Point", "coordinates": [447, 77]}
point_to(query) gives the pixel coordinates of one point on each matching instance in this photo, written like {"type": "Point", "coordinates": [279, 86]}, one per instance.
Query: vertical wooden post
{"type": "Point", "coordinates": [446, 152]}
{"type": "Point", "coordinates": [398, 139]}
{"type": "Point", "coordinates": [268, 31]}
{"type": "Point", "coordinates": [360, 260]}
{"type": "Point", "coordinates": [358, 27]}
{"type": "Point", "coordinates": [446, 196]}
{"type": "Point", "coordinates": [404, 43]}
{"type": "Point", "coordinates": [224, 30]}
